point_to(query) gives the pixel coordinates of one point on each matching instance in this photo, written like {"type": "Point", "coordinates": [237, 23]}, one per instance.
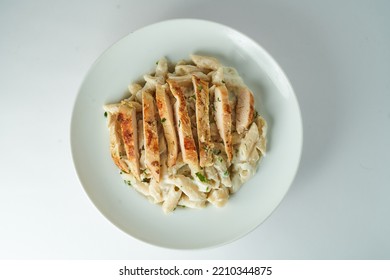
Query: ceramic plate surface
{"type": "Point", "coordinates": [125, 62]}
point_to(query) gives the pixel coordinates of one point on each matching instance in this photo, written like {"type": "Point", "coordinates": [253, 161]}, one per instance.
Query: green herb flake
{"type": "Point", "coordinates": [193, 96]}
{"type": "Point", "coordinates": [163, 120]}
{"type": "Point", "coordinates": [219, 100]}
{"type": "Point", "coordinates": [220, 159]}
{"type": "Point", "coordinates": [105, 114]}
{"type": "Point", "coordinates": [146, 180]}
{"type": "Point", "coordinates": [216, 151]}
{"type": "Point", "coordinates": [226, 174]}
{"type": "Point", "coordinates": [200, 87]}
{"type": "Point", "coordinates": [179, 123]}
{"type": "Point", "coordinates": [223, 81]}
{"type": "Point", "coordinates": [157, 62]}
{"type": "Point", "coordinates": [201, 177]}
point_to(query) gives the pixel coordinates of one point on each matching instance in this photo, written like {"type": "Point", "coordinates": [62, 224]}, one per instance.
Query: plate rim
{"type": "Point", "coordinates": [271, 58]}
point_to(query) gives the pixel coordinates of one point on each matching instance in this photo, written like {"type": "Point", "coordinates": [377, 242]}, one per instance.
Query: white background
{"type": "Point", "coordinates": [337, 56]}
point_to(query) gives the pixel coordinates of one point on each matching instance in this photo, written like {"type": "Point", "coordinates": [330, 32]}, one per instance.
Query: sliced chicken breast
{"type": "Point", "coordinates": [201, 88]}
{"type": "Point", "coordinates": [223, 118]}
{"type": "Point", "coordinates": [166, 115]}
{"type": "Point", "coordinates": [152, 152]}
{"type": "Point", "coordinates": [116, 144]}
{"type": "Point", "coordinates": [245, 109]}
{"type": "Point", "coordinates": [186, 139]}
{"type": "Point", "coordinates": [128, 125]}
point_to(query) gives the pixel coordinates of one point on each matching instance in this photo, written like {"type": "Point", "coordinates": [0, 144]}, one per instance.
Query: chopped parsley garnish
{"type": "Point", "coordinates": [216, 151]}
{"type": "Point", "coordinates": [127, 182]}
{"type": "Point", "coordinates": [219, 100]}
{"type": "Point", "coordinates": [223, 81]}
{"type": "Point", "coordinates": [105, 114]}
{"type": "Point", "coordinates": [156, 62]}
{"type": "Point", "coordinates": [220, 159]}
{"type": "Point", "coordinates": [226, 174]}
{"type": "Point", "coordinates": [179, 123]}
{"type": "Point", "coordinates": [146, 180]}
{"type": "Point", "coordinates": [163, 120]}
{"type": "Point", "coordinates": [193, 96]}
{"type": "Point", "coordinates": [200, 87]}
{"type": "Point", "coordinates": [201, 177]}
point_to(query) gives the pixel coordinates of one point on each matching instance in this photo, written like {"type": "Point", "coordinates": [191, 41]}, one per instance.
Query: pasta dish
{"type": "Point", "coordinates": [188, 135]}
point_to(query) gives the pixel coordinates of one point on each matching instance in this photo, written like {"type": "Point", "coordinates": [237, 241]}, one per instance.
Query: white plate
{"type": "Point", "coordinates": [125, 62]}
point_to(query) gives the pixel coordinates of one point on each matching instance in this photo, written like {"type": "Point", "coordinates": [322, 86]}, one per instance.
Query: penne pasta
{"type": "Point", "coordinates": [188, 135]}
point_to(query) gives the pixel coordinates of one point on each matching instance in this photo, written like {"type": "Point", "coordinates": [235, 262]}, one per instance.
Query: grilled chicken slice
{"type": "Point", "coordinates": [201, 88]}
{"type": "Point", "coordinates": [186, 139]}
{"type": "Point", "coordinates": [152, 152]}
{"type": "Point", "coordinates": [245, 109]}
{"type": "Point", "coordinates": [166, 115]}
{"type": "Point", "coordinates": [128, 125]}
{"type": "Point", "coordinates": [223, 118]}
{"type": "Point", "coordinates": [116, 144]}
